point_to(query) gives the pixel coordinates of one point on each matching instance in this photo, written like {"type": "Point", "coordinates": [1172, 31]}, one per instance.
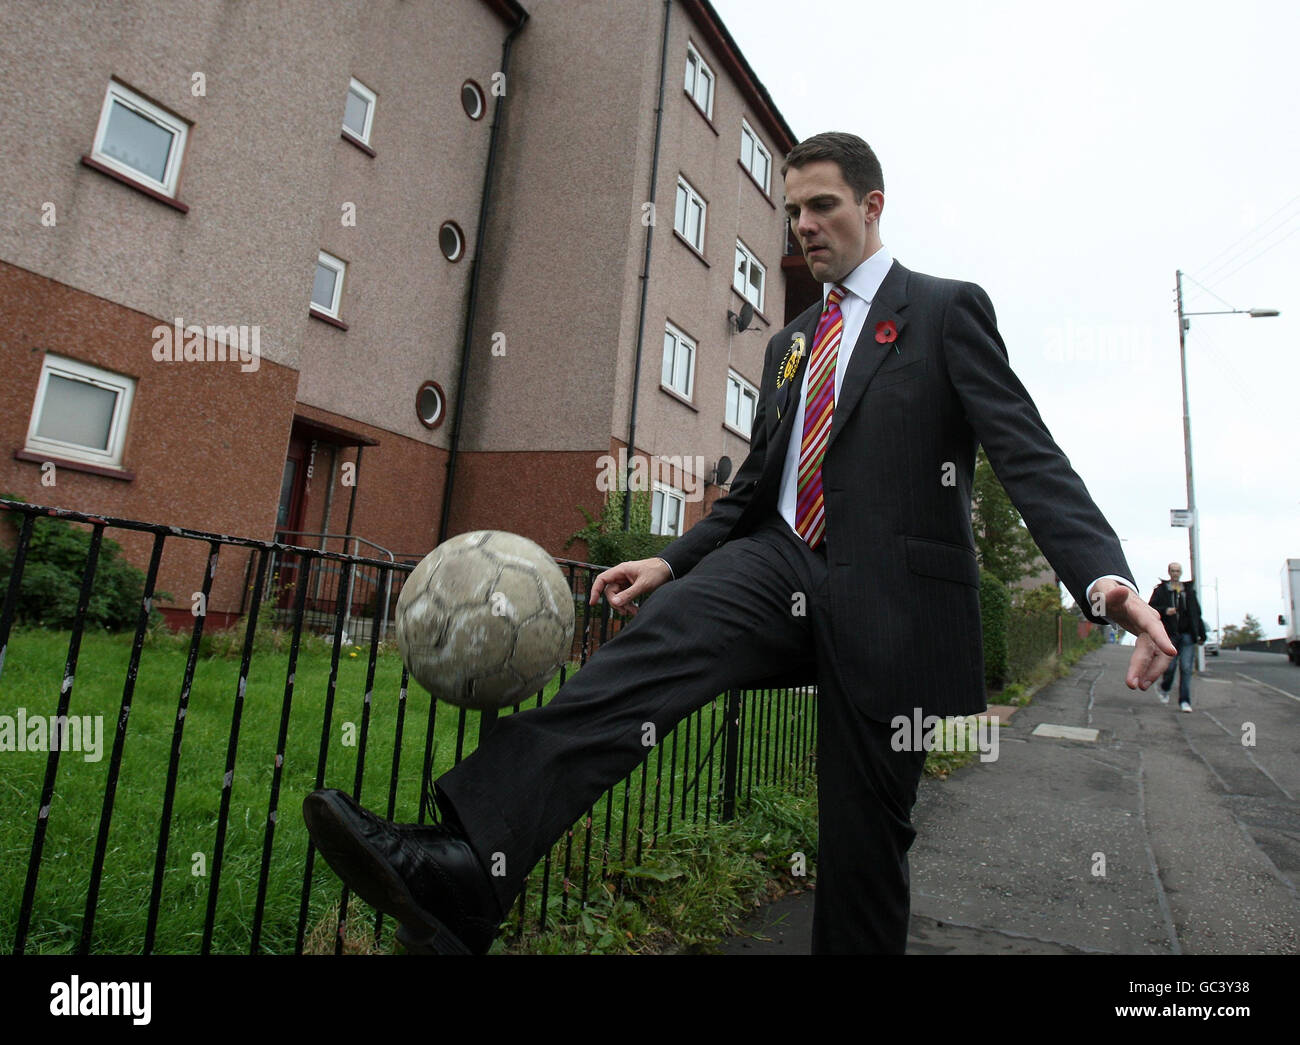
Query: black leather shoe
{"type": "Point", "coordinates": [424, 875]}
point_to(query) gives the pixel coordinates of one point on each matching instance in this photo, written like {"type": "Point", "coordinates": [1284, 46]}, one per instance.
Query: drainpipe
{"type": "Point", "coordinates": [352, 501]}
{"type": "Point", "coordinates": [475, 271]}
{"type": "Point", "coordinates": [645, 273]}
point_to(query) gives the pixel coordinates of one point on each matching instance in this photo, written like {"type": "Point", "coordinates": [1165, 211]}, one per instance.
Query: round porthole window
{"type": "Point", "coordinates": [451, 241]}
{"type": "Point", "coordinates": [430, 404]}
{"type": "Point", "coordinates": [471, 97]}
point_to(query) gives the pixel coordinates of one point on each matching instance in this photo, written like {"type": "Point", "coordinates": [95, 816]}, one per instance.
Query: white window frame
{"type": "Point", "coordinates": [75, 370]}
{"type": "Point", "coordinates": [662, 494]}
{"type": "Point", "coordinates": [179, 129]}
{"type": "Point", "coordinates": [695, 65]}
{"type": "Point", "coordinates": [368, 96]}
{"type": "Point", "coordinates": [681, 340]}
{"type": "Point", "coordinates": [743, 287]}
{"type": "Point", "coordinates": [749, 137]}
{"type": "Point", "coordinates": [684, 188]}
{"type": "Point", "coordinates": [744, 390]}
{"type": "Point", "coordinates": [341, 267]}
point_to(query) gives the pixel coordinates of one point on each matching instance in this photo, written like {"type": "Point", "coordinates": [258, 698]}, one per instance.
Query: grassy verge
{"type": "Point", "coordinates": [33, 666]}
{"type": "Point", "coordinates": [955, 747]}
{"type": "Point", "coordinates": [693, 889]}
{"type": "Point", "coordinates": [680, 782]}
{"type": "Point", "coordinates": [697, 886]}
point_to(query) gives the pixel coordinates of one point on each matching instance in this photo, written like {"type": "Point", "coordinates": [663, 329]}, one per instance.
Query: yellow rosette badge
{"type": "Point", "coordinates": [791, 362]}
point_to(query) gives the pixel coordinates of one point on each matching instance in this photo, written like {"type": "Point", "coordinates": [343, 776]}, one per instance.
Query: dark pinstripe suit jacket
{"type": "Point", "coordinates": [899, 464]}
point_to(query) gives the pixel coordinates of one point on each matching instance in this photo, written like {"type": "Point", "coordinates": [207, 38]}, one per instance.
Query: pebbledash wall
{"type": "Point", "coordinates": [554, 358]}
{"type": "Point", "coordinates": [269, 181]}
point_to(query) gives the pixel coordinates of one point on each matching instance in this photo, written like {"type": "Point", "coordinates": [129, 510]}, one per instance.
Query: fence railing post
{"type": "Point", "coordinates": [731, 755]}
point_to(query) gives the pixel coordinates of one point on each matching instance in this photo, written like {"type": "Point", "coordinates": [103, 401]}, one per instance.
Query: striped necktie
{"type": "Point", "coordinates": [810, 512]}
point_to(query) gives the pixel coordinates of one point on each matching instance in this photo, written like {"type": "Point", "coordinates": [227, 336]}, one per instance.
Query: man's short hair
{"type": "Point", "coordinates": [857, 163]}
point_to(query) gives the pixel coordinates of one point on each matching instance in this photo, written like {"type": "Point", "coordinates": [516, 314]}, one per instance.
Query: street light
{"type": "Point", "coordinates": [1194, 530]}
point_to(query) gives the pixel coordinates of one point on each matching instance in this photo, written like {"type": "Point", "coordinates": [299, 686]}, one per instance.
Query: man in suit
{"type": "Point", "coordinates": [854, 504]}
{"type": "Point", "coordinates": [1175, 600]}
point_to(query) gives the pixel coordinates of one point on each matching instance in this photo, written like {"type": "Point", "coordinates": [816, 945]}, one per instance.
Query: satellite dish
{"type": "Point", "coordinates": [745, 318]}
{"type": "Point", "coordinates": [722, 471]}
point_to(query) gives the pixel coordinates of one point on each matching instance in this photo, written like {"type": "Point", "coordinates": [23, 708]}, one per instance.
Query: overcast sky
{"type": "Point", "coordinates": [1070, 159]}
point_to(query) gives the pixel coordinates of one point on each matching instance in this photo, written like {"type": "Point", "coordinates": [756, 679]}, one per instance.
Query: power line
{"type": "Point", "coordinates": [1261, 253]}
{"type": "Point", "coordinates": [1256, 237]}
{"type": "Point", "coordinates": [1208, 290]}
{"type": "Point", "coordinates": [1203, 269]}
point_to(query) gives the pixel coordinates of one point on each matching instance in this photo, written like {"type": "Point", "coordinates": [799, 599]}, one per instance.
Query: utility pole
{"type": "Point", "coordinates": [1194, 530]}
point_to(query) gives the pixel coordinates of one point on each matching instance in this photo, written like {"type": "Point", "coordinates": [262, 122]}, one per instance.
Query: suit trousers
{"type": "Point", "coordinates": [755, 607]}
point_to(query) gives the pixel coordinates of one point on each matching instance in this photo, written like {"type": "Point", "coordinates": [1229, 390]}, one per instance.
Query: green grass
{"type": "Point", "coordinates": [696, 802]}
{"type": "Point", "coordinates": [33, 665]}
{"type": "Point", "coordinates": [696, 886]}
{"type": "Point", "coordinates": [952, 750]}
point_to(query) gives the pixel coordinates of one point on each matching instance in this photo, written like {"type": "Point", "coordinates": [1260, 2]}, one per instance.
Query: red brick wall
{"type": "Point", "coordinates": [538, 494]}
{"type": "Point", "coordinates": [534, 493]}
{"type": "Point", "coordinates": [205, 441]}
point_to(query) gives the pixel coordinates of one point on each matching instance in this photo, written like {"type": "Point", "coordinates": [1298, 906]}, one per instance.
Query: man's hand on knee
{"type": "Point", "coordinates": [628, 581]}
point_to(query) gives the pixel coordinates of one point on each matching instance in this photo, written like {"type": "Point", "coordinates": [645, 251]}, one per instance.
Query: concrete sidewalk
{"type": "Point", "coordinates": [1165, 835]}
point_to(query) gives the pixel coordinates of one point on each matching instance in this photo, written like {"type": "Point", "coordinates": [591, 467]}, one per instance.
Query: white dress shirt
{"type": "Point", "coordinates": [861, 286]}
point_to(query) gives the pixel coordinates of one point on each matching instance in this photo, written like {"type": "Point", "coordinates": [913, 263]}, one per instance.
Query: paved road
{"type": "Point", "coordinates": [1170, 833]}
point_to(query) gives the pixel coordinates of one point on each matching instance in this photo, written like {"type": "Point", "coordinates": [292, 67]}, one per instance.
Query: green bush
{"type": "Point", "coordinates": [608, 543]}
{"type": "Point", "coordinates": [1044, 599]}
{"type": "Point", "coordinates": [51, 579]}
{"type": "Point", "coordinates": [995, 604]}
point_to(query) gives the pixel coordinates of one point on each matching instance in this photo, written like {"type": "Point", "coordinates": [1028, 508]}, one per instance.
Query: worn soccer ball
{"type": "Point", "coordinates": [485, 620]}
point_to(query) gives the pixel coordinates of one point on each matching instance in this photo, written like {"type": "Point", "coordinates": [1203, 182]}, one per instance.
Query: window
{"type": "Point", "coordinates": [699, 81]}
{"type": "Point", "coordinates": [667, 509]}
{"type": "Point", "coordinates": [451, 241]}
{"type": "Point", "coordinates": [140, 140]}
{"type": "Point", "coordinates": [430, 404]}
{"type": "Point", "coordinates": [80, 413]}
{"type": "Point", "coordinates": [359, 111]}
{"type": "Point", "coordinates": [688, 218]}
{"type": "Point", "coordinates": [749, 276]}
{"type": "Point", "coordinates": [756, 159]}
{"type": "Point", "coordinates": [327, 287]}
{"type": "Point", "coordinates": [679, 362]}
{"type": "Point", "coordinates": [472, 100]}
{"type": "Point", "coordinates": [742, 402]}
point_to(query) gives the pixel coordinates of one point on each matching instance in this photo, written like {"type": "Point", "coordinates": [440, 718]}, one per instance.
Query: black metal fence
{"type": "Point", "coordinates": [1034, 638]}
{"type": "Point", "coordinates": [163, 832]}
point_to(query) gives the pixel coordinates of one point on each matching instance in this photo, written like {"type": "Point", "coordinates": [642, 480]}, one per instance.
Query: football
{"type": "Point", "coordinates": [485, 620]}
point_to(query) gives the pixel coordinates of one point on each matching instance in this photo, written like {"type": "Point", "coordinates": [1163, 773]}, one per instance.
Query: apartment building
{"type": "Point", "coordinates": [608, 339]}
{"type": "Point", "coordinates": [244, 287]}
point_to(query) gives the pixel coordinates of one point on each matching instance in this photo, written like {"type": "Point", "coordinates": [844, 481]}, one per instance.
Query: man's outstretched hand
{"type": "Point", "coordinates": [628, 581]}
{"type": "Point", "coordinates": [1154, 651]}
